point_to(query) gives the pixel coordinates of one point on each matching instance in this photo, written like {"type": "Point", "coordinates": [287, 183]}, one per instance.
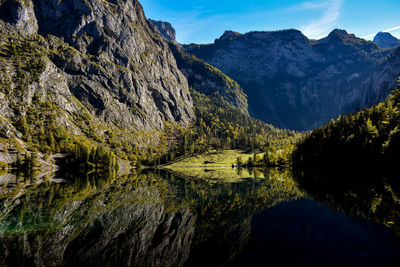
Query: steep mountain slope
{"type": "Point", "coordinates": [208, 80]}
{"type": "Point", "coordinates": [201, 76]}
{"type": "Point", "coordinates": [97, 59]}
{"type": "Point", "coordinates": [386, 40]}
{"type": "Point", "coordinates": [166, 30]}
{"type": "Point", "coordinates": [293, 82]}
{"type": "Point", "coordinates": [368, 139]}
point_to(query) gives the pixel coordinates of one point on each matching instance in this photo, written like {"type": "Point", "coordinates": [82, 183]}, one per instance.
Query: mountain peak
{"type": "Point", "coordinates": [339, 32]}
{"type": "Point", "coordinates": [229, 35]}
{"type": "Point", "coordinates": [386, 40]}
{"type": "Point", "coordinates": [165, 29]}
{"type": "Point", "coordinates": [106, 55]}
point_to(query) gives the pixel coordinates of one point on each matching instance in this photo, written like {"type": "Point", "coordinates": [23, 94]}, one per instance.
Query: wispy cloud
{"type": "Point", "coordinates": [387, 30]}
{"type": "Point", "coordinates": [330, 14]}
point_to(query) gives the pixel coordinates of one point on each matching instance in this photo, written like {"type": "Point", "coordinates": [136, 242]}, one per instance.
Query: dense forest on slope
{"type": "Point", "coordinates": [221, 125]}
{"type": "Point", "coordinates": [368, 139]}
{"type": "Point", "coordinates": [82, 78]}
{"type": "Point", "coordinates": [223, 121]}
{"type": "Point", "coordinates": [208, 80]}
{"type": "Point", "coordinates": [222, 118]}
{"type": "Point", "coordinates": [351, 163]}
{"type": "Point", "coordinates": [85, 94]}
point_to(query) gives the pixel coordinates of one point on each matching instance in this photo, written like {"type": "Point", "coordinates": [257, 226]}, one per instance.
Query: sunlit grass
{"type": "Point", "coordinates": [221, 169]}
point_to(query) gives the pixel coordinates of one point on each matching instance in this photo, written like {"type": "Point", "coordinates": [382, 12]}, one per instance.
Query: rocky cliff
{"type": "Point", "coordinates": [165, 29]}
{"type": "Point", "coordinates": [98, 60]}
{"type": "Point", "coordinates": [293, 82]}
{"type": "Point", "coordinates": [386, 40]}
{"type": "Point", "coordinates": [201, 76]}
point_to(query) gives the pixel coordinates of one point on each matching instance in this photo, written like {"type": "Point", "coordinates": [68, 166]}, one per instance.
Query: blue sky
{"type": "Point", "coordinates": [202, 21]}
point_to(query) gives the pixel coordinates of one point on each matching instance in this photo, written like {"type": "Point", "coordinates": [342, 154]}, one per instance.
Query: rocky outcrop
{"type": "Point", "coordinates": [384, 79]}
{"type": "Point", "coordinates": [386, 40]}
{"type": "Point", "coordinates": [7, 130]}
{"type": "Point", "coordinates": [108, 60]}
{"type": "Point", "coordinates": [293, 82]}
{"type": "Point", "coordinates": [210, 81]}
{"type": "Point", "coordinates": [203, 77]}
{"type": "Point", "coordinates": [228, 36]}
{"type": "Point", "coordinates": [165, 29]}
{"type": "Point", "coordinates": [18, 14]}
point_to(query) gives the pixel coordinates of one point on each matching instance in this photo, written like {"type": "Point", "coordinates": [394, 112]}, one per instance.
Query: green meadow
{"type": "Point", "coordinates": [221, 169]}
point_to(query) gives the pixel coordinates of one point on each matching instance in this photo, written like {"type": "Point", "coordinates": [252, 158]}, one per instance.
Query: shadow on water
{"type": "Point", "coordinates": [159, 218]}
{"type": "Point", "coordinates": [372, 195]}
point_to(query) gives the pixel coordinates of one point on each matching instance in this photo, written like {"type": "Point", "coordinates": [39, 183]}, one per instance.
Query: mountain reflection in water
{"type": "Point", "coordinates": [157, 218]}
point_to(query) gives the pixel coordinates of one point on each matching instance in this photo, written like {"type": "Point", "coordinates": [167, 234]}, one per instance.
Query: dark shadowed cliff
{"type": "Point", "coordinates": [293, 82]}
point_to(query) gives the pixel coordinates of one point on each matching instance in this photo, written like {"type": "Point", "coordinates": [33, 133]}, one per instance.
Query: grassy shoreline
{"type": "Point", "coordinates": [221, 169]}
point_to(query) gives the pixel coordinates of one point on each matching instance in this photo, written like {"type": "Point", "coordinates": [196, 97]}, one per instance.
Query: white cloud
{"type": "Point", "coordinates": [320, 27]}
{"type": "Point", "coordinates": [387, 30]}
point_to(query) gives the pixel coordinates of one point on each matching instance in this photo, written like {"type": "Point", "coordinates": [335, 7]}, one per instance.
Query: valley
{"type": "Point", "coordinates": [121, 146]}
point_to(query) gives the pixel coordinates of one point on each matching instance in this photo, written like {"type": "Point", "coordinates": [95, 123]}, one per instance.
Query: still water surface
{"type": "Point", "coordinates": [158, 218]}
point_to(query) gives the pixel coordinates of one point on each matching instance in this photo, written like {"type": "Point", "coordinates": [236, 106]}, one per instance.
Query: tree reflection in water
{"type": "Point", "coordinates": [157, 218]}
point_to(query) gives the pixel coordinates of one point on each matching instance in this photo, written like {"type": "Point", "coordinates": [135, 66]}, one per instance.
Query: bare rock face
{"type": "Point", "coordinates": [293, 82]}
{"type": "Point", "coordinates": [386, 40]}
{"type": "Point", "coordinates": [384, 79]}
{"type": "Point", "coordinates": [20, 14]}
{"type": "Point", "coordinates": [7, 130]}
{"type": "Point", "coordinates": [108, 57]}
{"type": "Point", "coordinates": [201, 76]}
{"type": "Point", "coordinates": [165, 29]}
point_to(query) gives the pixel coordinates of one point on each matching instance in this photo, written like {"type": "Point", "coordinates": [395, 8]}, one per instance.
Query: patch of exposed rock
{"type": "Point", "coordinates": [101, 58]}
{"type": "Point", "coordinates": [293, 82]}
{"type": "Point", "coordinates": [165, 29]}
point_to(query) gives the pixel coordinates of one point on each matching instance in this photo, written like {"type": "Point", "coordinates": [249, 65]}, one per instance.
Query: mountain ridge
{"type": "Point", "coordinates": [283, 73]}
{"type": "Point", "coordinates": [203, 77]}
{"type": "Point", "coordinates": [81, 76]}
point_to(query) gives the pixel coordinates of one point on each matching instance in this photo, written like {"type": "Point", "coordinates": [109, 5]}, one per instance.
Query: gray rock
{"type": "Point", "coordinates": [19, 14]}
{"type": "Point", "coordinates": [293, 82]}
{"type": "Point", "coordinates": [7, 130]}
{"type": "Point", "coordinates": [201, 76]}
{"type": "Point", "coordinates": [106, 56]}
{"type": "Point", "coordinates": [165, 29]}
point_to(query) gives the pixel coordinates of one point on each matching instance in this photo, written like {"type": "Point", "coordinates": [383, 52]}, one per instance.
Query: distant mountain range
{"type": "Point", "coordinates": [296, 83]}
{"type": "Point", "coordinates": [104, 65]}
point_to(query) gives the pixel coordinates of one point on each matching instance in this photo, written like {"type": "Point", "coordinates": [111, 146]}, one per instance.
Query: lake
{"type": "Point", "coordinates": [160, 218]}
